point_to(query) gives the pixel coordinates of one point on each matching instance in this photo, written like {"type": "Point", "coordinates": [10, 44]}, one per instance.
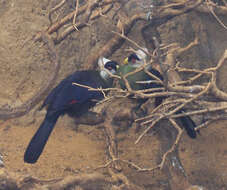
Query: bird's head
{"type": "Point", "coordinates": [107, 65]}
{"type": "Point", "coordinates": [112, 66]}
{"type": "Point", "coordinates": [137, 58]}
{"type": "Point", "coordinates": [132, 58]}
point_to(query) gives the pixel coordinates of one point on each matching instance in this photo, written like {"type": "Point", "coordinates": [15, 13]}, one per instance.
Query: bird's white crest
{"type": "Point", "coordinates": [102, 61]}
{"type": "Point", "coordinates": [103, 71]}
{"type": "Point", "coordinates": [141, 54]}
{"type": "Point", "coordinates": [143, 58]}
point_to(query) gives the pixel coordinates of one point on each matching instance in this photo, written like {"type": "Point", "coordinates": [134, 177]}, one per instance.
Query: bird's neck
{"type": "Point", "coordinates": [106, 74]}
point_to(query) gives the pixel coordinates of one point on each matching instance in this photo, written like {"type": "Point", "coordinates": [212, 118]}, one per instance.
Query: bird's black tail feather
{"type": "Point", "coordinates": [188, 124]}
{"type": "Point", "coordinates": [39, 140]}
{"type": "Point", "coordinates": [186, 121]}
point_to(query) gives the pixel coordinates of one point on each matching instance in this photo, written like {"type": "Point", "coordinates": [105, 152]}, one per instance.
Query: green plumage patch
{"type": "Point", "coordinates": [133, 78]}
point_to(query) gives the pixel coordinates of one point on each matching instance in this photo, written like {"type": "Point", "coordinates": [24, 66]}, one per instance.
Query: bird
{"type": "Point", "coordinates": [138, 59]}
{"type": "Point", "coordinates": [72, 99]}
{"type": "Point", "coordinates": [140, 80]}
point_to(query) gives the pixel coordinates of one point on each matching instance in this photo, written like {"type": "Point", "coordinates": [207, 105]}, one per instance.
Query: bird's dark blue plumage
{"type": "Point", "coordinates": [68, 98]}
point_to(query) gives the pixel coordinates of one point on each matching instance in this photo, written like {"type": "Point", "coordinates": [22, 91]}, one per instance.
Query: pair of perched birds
{"type": "Point", "coordinates": [73, 99]}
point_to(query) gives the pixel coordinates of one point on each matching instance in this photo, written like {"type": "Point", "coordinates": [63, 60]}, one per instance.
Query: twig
{"type": "Point", "coordinates": [215, 16]}
{"type": "Point", "coordinates": [80, 25]}
{"type": "Point", "coordinates": [206, 110]}
{"type": "Point", "coordinates": [205, 124]}
{"type": "Point", "coordinates": [75, 15]}
{"type": "Point", "coordinates": [180, 131]}
{"type": "Point", "coordinates": [98, 89]}
{"type": "Point", "coordinates": [173, 111]}
{"type": "Point", "coordinates": [147, 129]}
{"type": "Point", "coordinates": [164, 157]}
{"type": "Point", "coordinates": [56, 26]}
{"type": "Point", "coordinates": [58, 6]}
{"type": "Point", "coordinates": [133, 42]}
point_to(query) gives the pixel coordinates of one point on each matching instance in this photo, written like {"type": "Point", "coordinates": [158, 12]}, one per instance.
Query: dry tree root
{"type": "Point", "coordinates": [79, 181]}
{"type": "Point", "coordinates": [158, 17]}
{"type": "Point", "coordinates": [58, 6]}
{"type": "Point", "coordinates": [11, 180]}
{"type": "Point", "coordinates": [86, 9]}
{"type": "Point", "coordinates": [113, 166]}
{"type": "Point", "coordinates": [196, 92]}
{"type": "Point", "coordinates": [90, 11]}
{"type": "Point", "coordinates": [107, 50]}
{"type": "Point", "coordinates": [172, 10]}
{"type": "Point", "coordinates": [152, 119]}
{"type": "Point", "coordinates": [114, 43]}
{"type": "Point", "coordinates": [46, 38]}
{"type": "Point", "coordinates": [215, 10]}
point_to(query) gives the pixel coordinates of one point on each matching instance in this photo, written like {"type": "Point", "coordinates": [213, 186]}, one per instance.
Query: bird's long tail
{"type": "Point", "coordinates": [186, 121]}
{"type": "Point", "coordinates": [38, 141]}
{"type": "Point", "coordinates": [188, 124]}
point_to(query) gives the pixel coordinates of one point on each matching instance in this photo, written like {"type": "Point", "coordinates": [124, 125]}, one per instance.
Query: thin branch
{"type": "Point", "coordinates": [215, 16]}
{"type": "Point", "coordinates": [58, 6]}
{"type": "Point", "coordinates": [75, 15]}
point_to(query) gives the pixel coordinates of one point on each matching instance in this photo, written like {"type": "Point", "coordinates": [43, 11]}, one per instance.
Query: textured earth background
{"type": "Point", "coordinates": [24, 67]}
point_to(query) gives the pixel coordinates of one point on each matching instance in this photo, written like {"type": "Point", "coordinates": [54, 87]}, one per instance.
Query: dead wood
{"type": "Point", "coordinates": [85, 9]}
{"type": "Point", "coordinates": [162, 15]}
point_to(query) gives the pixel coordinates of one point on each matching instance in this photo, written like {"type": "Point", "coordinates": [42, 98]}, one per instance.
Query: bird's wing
{"type": "Point", "coordinates": [52, 95]}
{"type": "Point", "coordinates": [141, 54]}
{"type": "Point", "coordinates": [70, 93]}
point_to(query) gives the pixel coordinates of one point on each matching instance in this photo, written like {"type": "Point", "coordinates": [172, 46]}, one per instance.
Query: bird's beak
{"type": "Point", "coordinates": [126, 61]}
